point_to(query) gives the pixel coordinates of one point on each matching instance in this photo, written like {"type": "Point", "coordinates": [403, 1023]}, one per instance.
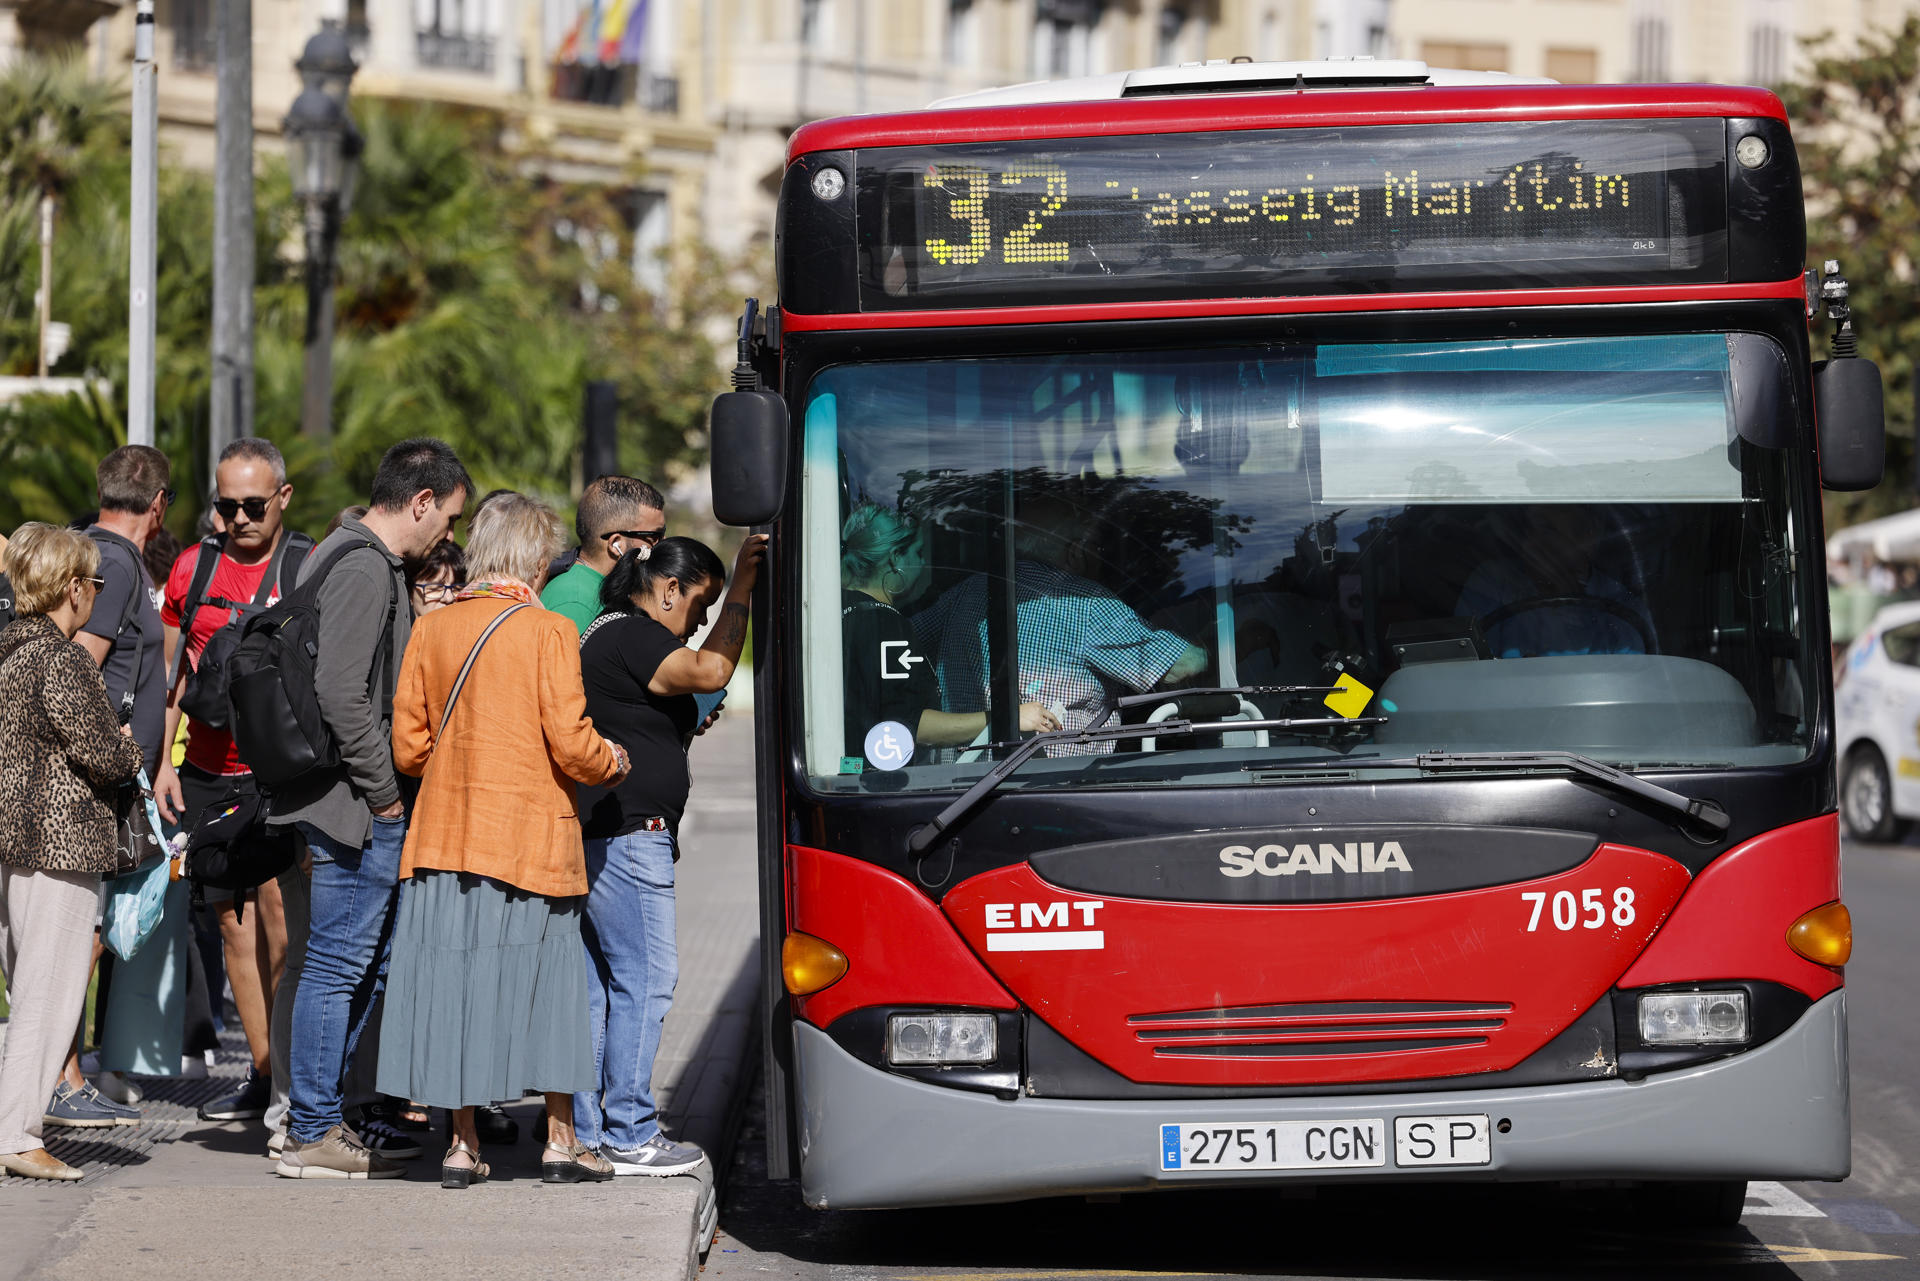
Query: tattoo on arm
{"type": "Point", "coordinates": [731, 631]}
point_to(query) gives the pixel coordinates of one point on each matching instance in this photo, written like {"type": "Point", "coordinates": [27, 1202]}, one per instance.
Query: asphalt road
{"type": "Point", "coordinates": [1861, 1228]}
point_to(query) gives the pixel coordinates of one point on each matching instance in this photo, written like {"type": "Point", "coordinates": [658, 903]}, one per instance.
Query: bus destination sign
{"type": "Point", "coordinates": [1293, 211]}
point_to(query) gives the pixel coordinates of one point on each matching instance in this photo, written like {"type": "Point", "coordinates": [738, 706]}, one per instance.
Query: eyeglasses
{"type": "Point", "coordinates": [438, 591]}
{"type": "Point", "coordinates": [651, 537]}
{"type": "Point", "coordinates": [256, 508]}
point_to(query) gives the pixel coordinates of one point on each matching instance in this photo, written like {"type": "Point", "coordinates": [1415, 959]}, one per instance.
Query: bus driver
{"type": "Point", "coordinates": [883, 561]}
{"type": "Point", "coordinates": [1076, 636]}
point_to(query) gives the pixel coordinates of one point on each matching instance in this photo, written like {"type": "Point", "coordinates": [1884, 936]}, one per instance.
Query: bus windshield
{"type": "Point", "coordinates": [1577, 544]}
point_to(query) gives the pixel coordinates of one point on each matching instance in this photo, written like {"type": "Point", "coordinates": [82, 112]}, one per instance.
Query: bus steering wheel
{"type": "Point", "coordinates": [1500, 614]}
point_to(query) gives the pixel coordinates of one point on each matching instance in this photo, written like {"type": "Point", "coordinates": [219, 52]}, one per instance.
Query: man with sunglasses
{"type": "Point", "coordinates": [254, 560]}
{"type": "Point", "coordinates": [616, 515]}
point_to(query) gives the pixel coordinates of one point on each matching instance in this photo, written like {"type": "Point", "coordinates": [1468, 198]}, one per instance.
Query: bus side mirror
{"type": "Point", "coordinates": [748, 437]}
{"type": "Point", "coordinates": [1852, 423]}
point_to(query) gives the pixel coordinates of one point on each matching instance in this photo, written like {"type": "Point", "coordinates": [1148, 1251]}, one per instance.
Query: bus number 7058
{"type": "Point", "coordinates": [1587, 912]}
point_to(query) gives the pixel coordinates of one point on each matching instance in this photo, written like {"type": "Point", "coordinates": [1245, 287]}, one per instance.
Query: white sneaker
{"type": "Point", "coordinates": [276, 1145]}
{"type": "Point", "coordinates": [116, 1087]}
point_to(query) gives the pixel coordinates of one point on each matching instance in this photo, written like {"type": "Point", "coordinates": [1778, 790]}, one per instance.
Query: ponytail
{"type": "Point", "coordinates": [687, 560]}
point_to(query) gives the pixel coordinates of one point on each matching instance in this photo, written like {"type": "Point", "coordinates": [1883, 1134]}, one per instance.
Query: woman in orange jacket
{"type": "Point", "coordinates": [487, 987]}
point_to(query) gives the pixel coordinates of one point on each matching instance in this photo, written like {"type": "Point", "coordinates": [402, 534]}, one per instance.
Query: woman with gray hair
{"type": "Point", "coordinates": [487, 988]}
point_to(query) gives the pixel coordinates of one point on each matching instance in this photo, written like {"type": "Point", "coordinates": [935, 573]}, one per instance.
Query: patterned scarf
{"type": "Point", "coordinates": [507, 588]}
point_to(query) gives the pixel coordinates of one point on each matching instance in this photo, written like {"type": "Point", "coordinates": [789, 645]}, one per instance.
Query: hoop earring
{"type": "Point", "coordinates": [893, 591]}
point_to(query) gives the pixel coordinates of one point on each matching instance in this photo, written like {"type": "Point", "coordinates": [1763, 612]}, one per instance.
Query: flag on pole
{"type": "Point", "coordinates": [633, 43]}
{"type": "Point", "coordinates": [613, 26]}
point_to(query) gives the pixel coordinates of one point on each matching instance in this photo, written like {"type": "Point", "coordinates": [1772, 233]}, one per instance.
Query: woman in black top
{"type": "Point", "coordinates": [640, 679]}
{"type": "Point", "coordinates": [883, 560]}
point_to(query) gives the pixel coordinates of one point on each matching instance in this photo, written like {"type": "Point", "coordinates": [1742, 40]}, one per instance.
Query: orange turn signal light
{"type": "Point", "coordinates": [1824, 935]}
{"type": "Point", "coordinates": [809, 964]}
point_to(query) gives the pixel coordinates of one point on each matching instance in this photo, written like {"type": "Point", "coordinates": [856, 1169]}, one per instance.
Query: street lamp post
{"type": "Point", "coordinates": [323, 152]}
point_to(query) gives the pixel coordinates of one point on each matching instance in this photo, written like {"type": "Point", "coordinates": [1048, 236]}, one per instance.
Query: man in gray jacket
{"type": "Point", "coordinates": [352, 815]}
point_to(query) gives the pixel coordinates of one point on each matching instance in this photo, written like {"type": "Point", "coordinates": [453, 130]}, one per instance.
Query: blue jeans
{"type": "Point", "coordinates": [632, 965]}
{"type": "Point", "coordinates": [354, 895]}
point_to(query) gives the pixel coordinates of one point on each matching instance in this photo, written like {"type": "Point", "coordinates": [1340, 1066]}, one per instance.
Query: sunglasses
{"type": "Point", "coordinates": [256, 508]}
{"type": "Point", "coordinates": [99, 584]}
{"type": "Point", "coordinates": [169, 495]}
{"type": "Point", "coordinates": [651, 537]}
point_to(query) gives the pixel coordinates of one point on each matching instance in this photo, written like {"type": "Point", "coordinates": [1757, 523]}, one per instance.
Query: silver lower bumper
{"type": "Point", "coordinates": [869, 1139]}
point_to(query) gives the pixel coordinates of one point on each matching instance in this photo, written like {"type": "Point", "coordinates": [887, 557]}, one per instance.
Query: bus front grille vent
{"type": "Point", "coordinates": [1321, 1029]}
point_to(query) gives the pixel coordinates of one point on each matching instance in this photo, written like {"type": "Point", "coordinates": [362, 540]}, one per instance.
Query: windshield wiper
{"type": "Point", "coordinates": [923, 837]}
{"type": "Point", "coordinates": [1707, 815]}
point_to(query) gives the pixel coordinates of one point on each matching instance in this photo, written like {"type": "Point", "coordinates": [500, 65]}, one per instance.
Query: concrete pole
{"type": "Point", "coordinates": [46, 276]}
{"type": "Point", "coordinates": [144, 230]}
{"type": "Point", "coordinates": [316, 397]}
{"type": "Point", "coordinates": [232, 390]}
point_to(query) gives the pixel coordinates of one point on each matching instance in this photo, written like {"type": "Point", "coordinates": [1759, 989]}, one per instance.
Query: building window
{"type": "Point", "coordinates": [1573, 66]}
{"type": "Point", "coordinates": [195, 42]}
{"type": "Point", "coordinates": [961, 17]}
{"type": "Point", "coordinates": [652, 223]}
{"type": "Point", "coordinates": [455, 35]}
{"type": "Point", "coordinates": [1063, 37]}
{"type": "Point", "coordinates": [1461, 56]}
{"type": "Point", "coordinates": [1173, 26]}
{"type": "Point", "coordinates": [1766, 54]}
{"type": "Point", "coordinates": [813, 24]}
{"type": "Point", "coordinates": [1651, 48]}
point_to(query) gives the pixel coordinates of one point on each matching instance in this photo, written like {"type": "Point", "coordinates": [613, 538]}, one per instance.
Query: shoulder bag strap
{"type": "Point", "coordinates": [460, 681]}
{"type": "Point", "coordinates": [132, 610]}
{"type": "Point", "coordinates": [204, 566]}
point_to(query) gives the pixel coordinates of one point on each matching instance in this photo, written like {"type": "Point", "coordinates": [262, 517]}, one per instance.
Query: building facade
{"type": "Point", "coordinates": [688, 104]}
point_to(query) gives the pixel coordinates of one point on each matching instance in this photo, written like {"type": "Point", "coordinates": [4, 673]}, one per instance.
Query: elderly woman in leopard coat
{"type": "Point", "coordinates": [63, 757]}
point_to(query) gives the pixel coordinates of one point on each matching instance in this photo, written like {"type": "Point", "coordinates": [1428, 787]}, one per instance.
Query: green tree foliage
{"type": "Point", "coordinates": [475, 298]}
{"type": "Point", "coordinates": [1856, 118]}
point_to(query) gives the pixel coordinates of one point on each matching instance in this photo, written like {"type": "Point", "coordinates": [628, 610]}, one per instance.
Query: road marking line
{"type": "Point", "coordinates": [1778, 1198]}
{"type": "Point", "coordinates": [1814, 1254]}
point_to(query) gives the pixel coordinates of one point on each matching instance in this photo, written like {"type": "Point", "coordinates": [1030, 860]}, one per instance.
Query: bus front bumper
{"type": "Point", "coordinates": [870, 1140]}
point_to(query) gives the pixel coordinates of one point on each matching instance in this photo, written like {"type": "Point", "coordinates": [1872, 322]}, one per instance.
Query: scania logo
{"type": "Point", "coordinates": [1318, 860]}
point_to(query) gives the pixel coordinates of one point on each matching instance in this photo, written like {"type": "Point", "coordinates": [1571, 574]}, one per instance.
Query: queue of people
{"type": "Point", "coordinates": [467, 896]}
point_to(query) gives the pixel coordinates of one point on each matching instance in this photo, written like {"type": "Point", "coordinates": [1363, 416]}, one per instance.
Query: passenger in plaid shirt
{"type": "Point", "coordinates": [1077, 639]}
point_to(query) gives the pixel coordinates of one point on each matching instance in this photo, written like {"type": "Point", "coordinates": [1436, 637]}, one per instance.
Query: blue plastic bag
{"type": "Point", "coordinates": [136, 901]}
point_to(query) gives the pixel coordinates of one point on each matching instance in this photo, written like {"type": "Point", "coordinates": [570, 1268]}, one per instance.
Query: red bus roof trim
{"type": "Point", "coordinates": [1194, 308]}
{"type": "Point", "coordinates": [1284, 110]}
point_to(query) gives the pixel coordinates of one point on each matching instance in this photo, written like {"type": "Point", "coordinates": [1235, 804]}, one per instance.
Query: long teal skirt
{"type": "Point", "coordinates": [486, 994]}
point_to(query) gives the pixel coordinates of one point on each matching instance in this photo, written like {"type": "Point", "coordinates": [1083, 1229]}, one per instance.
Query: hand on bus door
{"type": "Point", "coordinates": [746, 563]}
{"type": "Point", "coordinates": [1037, 718]}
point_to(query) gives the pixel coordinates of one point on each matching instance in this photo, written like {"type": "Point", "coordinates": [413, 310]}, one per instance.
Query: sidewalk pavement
{"type": "Point", "coordinates": [180, 1198]}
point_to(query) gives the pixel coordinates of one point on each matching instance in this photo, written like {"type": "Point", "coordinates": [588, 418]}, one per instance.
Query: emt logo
{"type": "Point", "coordinates": [1044, 927]}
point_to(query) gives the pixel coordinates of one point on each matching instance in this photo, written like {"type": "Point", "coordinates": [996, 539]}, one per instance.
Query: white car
{"type": "Point", "coordinates": [1877, 710]}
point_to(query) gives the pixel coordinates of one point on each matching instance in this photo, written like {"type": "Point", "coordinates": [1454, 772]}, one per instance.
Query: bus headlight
{"type": "Point", "coordinates": [934, 1040]}
{"type": "Point", "coordinates": [1694, 1018]}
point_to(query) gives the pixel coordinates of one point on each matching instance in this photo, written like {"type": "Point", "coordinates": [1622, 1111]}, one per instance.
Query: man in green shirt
{"type": "Point", "coordinates": [617, 514]}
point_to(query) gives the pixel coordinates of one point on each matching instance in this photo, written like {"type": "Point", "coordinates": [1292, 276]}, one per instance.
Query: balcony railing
{"type": "Point", "coordinates": [615, 86]}
{"type": "Point", "coordinates": [445, 52]}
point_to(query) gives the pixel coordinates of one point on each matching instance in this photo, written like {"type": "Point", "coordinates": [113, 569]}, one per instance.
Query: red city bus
{"type": "Point", "coordinates": [1295, 645]}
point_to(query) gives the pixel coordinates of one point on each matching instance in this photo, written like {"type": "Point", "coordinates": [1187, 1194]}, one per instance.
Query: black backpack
{"type": "Point", "coordinates": [233, 848]}
{"type": "Point", "coordinates": [205, 696]}
{"type": "Point", "coordinates": [6, 601]}
{"type": "Point", "coordinates": [274, 713]}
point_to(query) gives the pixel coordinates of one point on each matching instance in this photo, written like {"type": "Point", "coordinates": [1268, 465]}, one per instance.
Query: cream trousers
{"type": "Point", "coordinates": [46, 950]}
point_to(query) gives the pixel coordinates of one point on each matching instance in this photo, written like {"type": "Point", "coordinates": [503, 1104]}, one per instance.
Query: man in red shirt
{"type": "Point", "coordinates": [251, 495]}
